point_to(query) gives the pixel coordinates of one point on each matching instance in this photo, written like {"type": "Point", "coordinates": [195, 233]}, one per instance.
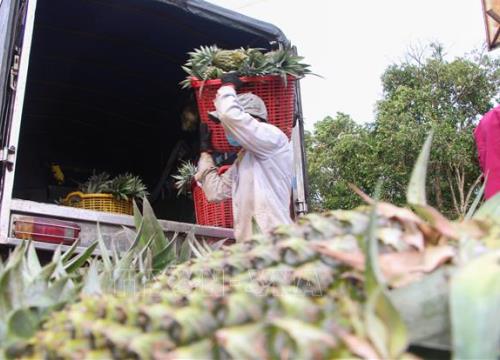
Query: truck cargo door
{"type": "Point", "coordinates": [11, 19]}
{"type": "Point", "coordinates": [16, 29]}
{"type": "Point", "coordinates": [300, 186]}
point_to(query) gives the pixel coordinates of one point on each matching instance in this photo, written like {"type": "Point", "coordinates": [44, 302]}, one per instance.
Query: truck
{"type": "Point", "coordinates": [94, 84]}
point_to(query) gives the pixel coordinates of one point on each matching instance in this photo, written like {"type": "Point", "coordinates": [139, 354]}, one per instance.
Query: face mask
{"type": "Point", "coordinates": [232, 141]}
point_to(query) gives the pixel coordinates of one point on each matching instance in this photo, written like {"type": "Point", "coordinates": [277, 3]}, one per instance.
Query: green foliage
{"type": "Point", "coordinates": [422, 93]}
{"type": "Point", "coordinates": [339, 153]}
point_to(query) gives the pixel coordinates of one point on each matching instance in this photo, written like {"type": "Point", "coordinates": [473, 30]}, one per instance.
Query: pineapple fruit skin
{"type": "Point", "coordinates": [274, 296]}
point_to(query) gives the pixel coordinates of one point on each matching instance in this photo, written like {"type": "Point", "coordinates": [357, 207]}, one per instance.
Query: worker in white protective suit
{"type": "Point", "coordinates": [260, 180]}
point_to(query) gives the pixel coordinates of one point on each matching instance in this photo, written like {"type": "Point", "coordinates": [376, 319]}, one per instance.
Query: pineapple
{"type": "Point", "coordinates": [185, 177]}
{"type": "Point", "coordinates": [210, 62]}
{"type": "Point", "coordinates": [96, 184]}
{"type": "Point", "coordinates": [277, 296]}
{"type": "Point", "coordinates": [127, 186]}
{"type": "Point", "coordinates": [229, 60]}
{"type": "Point", "coordinates": [211, 72]}
{"type": "Point", "coordinates": [123, 187]}
{"type": "Point", "coordinates": [310, 290]}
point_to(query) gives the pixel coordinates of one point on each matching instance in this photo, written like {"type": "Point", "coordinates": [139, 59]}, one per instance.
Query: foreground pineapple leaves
{"type": "Point", "coordinates": [129, 271]}
{"type": "Point", "coordinates": [475, 309]}
{"type": "Point", "coordinates": [269, 298]}
{"type": "Point", "coordinates": [384, 325]}
{"type": "Point", "coordinates": [320, 288]}
{"type": "Point", "coordinates": [30, 293]}
{"type": "Point", "coordinates": [275, 296]}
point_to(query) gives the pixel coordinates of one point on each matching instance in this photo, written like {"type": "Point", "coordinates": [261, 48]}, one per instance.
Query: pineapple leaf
{"type": "Point", "coordinates": [185, 177]}
{"type": "Point", "coordinates": [32, 262]}
{"type": "Point", "coordinates": [475, 303]}
{"type": "Point", "coordinates": [92, 280]}
{"type": "Point", "coordinates": [137, 217]}
{"type": "Point", "coordinates": [106, 258]}
{"type": "Point", "coordinates": [416, 189]}
{"type": "Point", "coordinates": [81, 259]}
{"type": "Point", "coordinates": [69, 253]}
{"type": "Point", "coordinates": [384, 324]}
{"type": "Point", "coordinates": [477, 200]}
{"type": "Point", "coordinates": [23, 323]}
{"type": "Point", "coordinates": [490, 210]}
{"type": "Point", "coordinates": [193, 244]}
{"type": "Point", "coordinates": [184, 252]}
{"type": "Point", "coordinates": [153, 227]}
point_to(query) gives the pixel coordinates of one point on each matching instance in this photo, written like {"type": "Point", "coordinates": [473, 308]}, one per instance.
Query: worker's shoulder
{"type": "Point", "coordinates": [274, 131]}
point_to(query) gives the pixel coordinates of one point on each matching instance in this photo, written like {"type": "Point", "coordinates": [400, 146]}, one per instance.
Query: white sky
{"type": "Point", "coordinates": [350, 43]}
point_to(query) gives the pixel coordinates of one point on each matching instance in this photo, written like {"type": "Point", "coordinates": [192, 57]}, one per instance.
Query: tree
{"type": "Point", "coordinates": [419, 94]}
{"type": "Point", "coordinates": [338, 154]}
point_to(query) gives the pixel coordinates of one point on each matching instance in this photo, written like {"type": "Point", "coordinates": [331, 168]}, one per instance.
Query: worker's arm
{"type": "Point", "coordinates": [216, 187]}
{"type": "Point", "coordinates": [259, 138]}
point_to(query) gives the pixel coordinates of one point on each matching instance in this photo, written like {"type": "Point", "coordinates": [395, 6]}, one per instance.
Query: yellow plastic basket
{"type": "Point", "coordinates": [99, 202]}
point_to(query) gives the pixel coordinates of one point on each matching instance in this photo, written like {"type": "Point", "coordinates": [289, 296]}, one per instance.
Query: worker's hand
{"type": "Point", "coordinates": [205, 138]}
{"type": "Point", "coordinates": [232, 78]}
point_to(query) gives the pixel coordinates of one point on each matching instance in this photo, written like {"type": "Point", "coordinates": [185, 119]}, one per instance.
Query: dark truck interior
{"type": "Point", "coordinates": [103, 94]}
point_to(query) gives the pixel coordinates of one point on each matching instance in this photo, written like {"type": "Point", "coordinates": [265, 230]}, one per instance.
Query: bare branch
{"type": "Point", "coordinates": [453, 195]}
{"type": "Point", "coordinates": [460, 185]}
{"type": "Point", "coordinates": [416, 54]}
{"type": "Point", "coordinates": [471, 190]}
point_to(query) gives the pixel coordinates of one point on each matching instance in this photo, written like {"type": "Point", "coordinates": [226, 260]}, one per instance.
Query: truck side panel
{"type": "Point", "coordinates": [13, 132]}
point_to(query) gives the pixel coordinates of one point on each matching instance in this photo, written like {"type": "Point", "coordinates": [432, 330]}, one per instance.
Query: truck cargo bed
{"type": "Point", "coordinates": [98, 90]}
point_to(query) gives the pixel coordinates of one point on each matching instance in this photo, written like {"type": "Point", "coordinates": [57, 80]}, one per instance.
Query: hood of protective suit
{"type": "Point", "coordinates": [251, 104]}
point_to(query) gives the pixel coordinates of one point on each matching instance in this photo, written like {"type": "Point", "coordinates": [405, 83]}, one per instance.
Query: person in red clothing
{"type": "Point", "coordinates": [487, 136]}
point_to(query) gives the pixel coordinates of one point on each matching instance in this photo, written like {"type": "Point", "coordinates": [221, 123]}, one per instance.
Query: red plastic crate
{"type": "Point", "coordinates": [218, 214]}
{"type": "Point", "coordinates": [278, 97]}
{"type": "Point", "coordinates": [207, 213]}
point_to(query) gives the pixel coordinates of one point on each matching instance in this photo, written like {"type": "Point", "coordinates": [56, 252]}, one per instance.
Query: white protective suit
{"type": "Point", "coordinates": [260, 180]}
